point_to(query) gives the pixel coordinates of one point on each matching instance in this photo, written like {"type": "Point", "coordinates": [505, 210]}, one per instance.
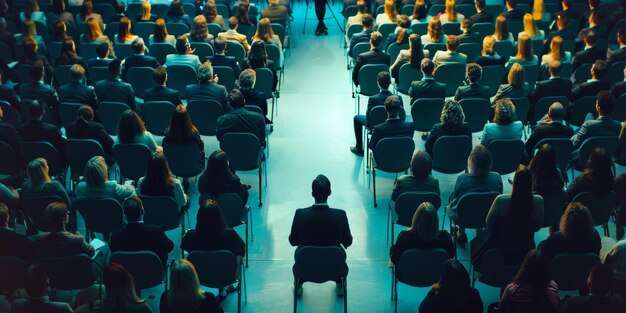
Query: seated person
{"type": "Point", "coordinates": [139, 58]}
{"type": "Point", "coordinates": [452, 124]}
{"type": "Point", "coordinates": [427, 87]}
{"type": "Point", "coordinates": [517, 86]}
{"type": "Point", "coordinates": [207, 87]}
{"type": "Point", "coordinates": [160, 182]}
{"type": "Point", "coordinates": [553, 126]}
{"type": "Point", "coordinates": [504, 126]}
{"type": "Point", "coordinates": [160, 92]}
{"type": "Point", "coordinates": [525, 54]}
{"type": "Point", "coordinates": [11, 242]}
{"type": "Point", "coordinates": [76, 91]}
{"type": "Point", "coordinates": [557, 52]}
{"type": "Point", "coordinates": [468, 36]}
{"type": "Point", "coordinates": [240, 120]}
{"type": "Point", "coordinates": [619, 88]}
{"type": "Point", "coordinates": [489, 56]}
{"type": "Point", "coordinates": [131, 129]}
{"type": "Point", "coordinates": [374, 56]}
{"type": "Point", "coordinates": [553, 86]}
{"type": "Point", "coordinates": [37, 285]}
{"type": "Point", "coordinates": [473, 72]}
{"type": "Point", "coordinates": [233, 36]}
{"type": "Point", "coordinates": [590, 52]}
{"type": "Point", "coordinates": [421, 178]}
{"type": "Point", "coordinates": [97, 184]}
{"type": "Point", "coordinates": [36, 89]}
{"type": "Point", "coordinates": [597, 177]}
{"type": "Point", "coordinates": [450, 55]}
{"type": "Point", "coordinates": [363, 36]}
{"type": "Point", "coordinates": [184, 55]}
{"type": "Point", "coordinates": [600, 299]}
{"type": "Point", "coordinates": [219, 178]}
{"type": "Point", "coordinates": [102, 58]}
{"type": "Point", "coordinates": [592, 86]}
{"type": "Point", "coordinates": [85, 128]}
{"type": "Point", "coordinates": [255, 97]}
{"type": "Point", "coordinates": [113, 89]}
{"type": "Point", "coordinates": [39, 182]}
{"type": "Point", "coordinates": [185, 294]}
{"type": "Point", "coordinates": [453, 292]}
{"type": "Point", "coordinates": [38, 130]}
{"type": "Point", "coordinates": [221, 59]}
{"type": "Point", "coordinates": [393, 126]}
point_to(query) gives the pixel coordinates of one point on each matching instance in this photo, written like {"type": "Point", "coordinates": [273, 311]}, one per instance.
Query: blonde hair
{"type": "Point", "coordinates": [517, 75]}
{"type": "Point", "coordinates": [489, 44]}
{"type": "Point", "coordinates": [425, 222]}
{"type": "Point", "coordinates": [96, 172]}
{"type": "Point", "coordinates": [557, 51]}
{"type": "Point", "coordinates": [501, 32]}
{"type": "Point", "coordinates": [145, 10]}
{"type": "Point", "coordinates": [450, 10]}
{"type": "Point", "coordinates": [435, 30]}
{"type": "Point", "coordinates": [37, 174]}
{"type": "Point", "coordinates": [124, 34]}
{"type": "Point", "coordinates": [530, 27]}
{"type": "Point", "coordinates": [184, 293]}
{"type": "Point", "coordinates": [29, 30]}
{"type": "Point", "coordinates": [390, 10]}
{"type": "Point", "coordinates": [524, 48]}
{"type": "Point", "coordinates": [538, 10]}
{"type": "Point", "coordinates": [92, 30]}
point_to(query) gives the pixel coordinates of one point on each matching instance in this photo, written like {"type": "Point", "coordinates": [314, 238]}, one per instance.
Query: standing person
{"type": "Point", "coordinates": [453, 292]}
{"type": "Point", "coordinates": [320, 12]}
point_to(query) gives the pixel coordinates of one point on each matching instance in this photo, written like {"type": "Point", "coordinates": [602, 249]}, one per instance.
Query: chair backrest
{"type": "Point", "coordinates": [72, 272]}
{"type": "Point", "coordinates": [264, 81]}
{"type": "Point", "coordinates": [202, 49]}
{"type": "Point", "coordinates": [492, 77]}
{"type": "Point", "coordinates": [279, 30]}
{"type": "Point", "coordinates": [472, 50]}
{"type": "Point", "coordinates": [582, 73]}
{"type": "Point", "coordinates": [248, 30]}
{"type": "Point", "coordinates": [35, 206]}
{"type": "Point", "coordinates": [473, 207]}
{"type": "Point", "coordinates": [386, 28]}
{"type": "Point", "coordinates": [68, 112]}
{"type": "Point", "coordinates": [179, 76]}
{"type": "Point", "coordinates": [394, 49]}
{"type": "Point", "coordinates": [184, 159]}
{"type": "Point", "coordinates": [132, 159]}
{"type": "Point", "coordinates": [450, 154]}
{"type": "Point", "coordinates": [31, 150]}
{"type": "Point", "coordinates": [451, 74]}
{"type": "Point", "coordinates": [436, 9]}
{"type": "Point", "coordinates": [11, 115]}
{"type": "Point", "coordinates": [79, 151]}
{"type": "Point", "coordinates": [110, 113]}
{"type": "Point", "coordinates": [452, 28]}
{"type": "Point", "coordinates": [484, 29]}
{"type": "Point", "coordinates": [141, 79]}
{"type": "Point", "coordinates": [162, 211]}
{"type": "Point", "coordinates": [144, 30]}
{"type": "Point", "coordinates": [226, 76]}
{"type": "Point", "coordinates": [12, 273]}
{"type": "Point", "coordinates": [419, 28]}
{"type": "Point", "coordinates": [563, 148]}
{"type": "Point", "coordinates": [582, 107]}
{"type": "Point", "coordinates": [319, 264]}
{"type": "Point", "coordinates": [615, 73]}
{"type": "Point", "coordinates": [465, 9]}
{"type": "Point", "coordinates": [514, 27]}
{"type": "Point", "coordinates": [407, 204]}
{"type": "Point", "coordinates": [554, 205]}
{"type": "Point", "coordinates": [244, 150]}
{"type": "Point", "coordinates": [406, 75]}
{"type": "Point", "coordinates": [233, 208]}
{"type": "Point", "coordinates": [106, 10]}
{"type": "Point", "coordinates": [407, 9]}
{"type": "Point", "coordinates": [177, 29]}
{"type": "Point", "coordinates": [25, 102]}
{"type": "Point", "coordinates": [537, 44]}
{"type": "Point", "coordinates": [377, 115]}
{"type": "Point", "coordinates": [393, 154]}
{"type": "Point", "coordinates": [504, 48]}
{"type": "Point", "coordinates": [104, 215]}
{"type": "Point", "coordinates": [590, 144]}
{"type": "Point", "coordinates": [522, 106]}
{"type": "Point", "coordinates": [353, 29]}
{"type": "Point", "coordinates": [5, 53]}
{"type": "Point", "coordinates": [123, 50]}
{"type": "Point", "coordinates": [216, 269]}
{"type": "Point", "coordinates": [507, 155]}
{"type": "Point", "coordinates": [254, 108]}
{"type": "Point", "coordinates": [570, 271]}
{"type": "Point", "coordinates": [367, 78]}
{"type": "Point", "coordinates": [214, 29]}
{"type": "Point", "coordinates": [8, 162]}
{"type": "Point", "coordinates": [62, 75]}
{"type": "Point", "coordinates": [144, 265]}
{"type": "Point", "coordinates": [133, 9]}
{"type": "Point", "coordinates": [236, 50]}
{"type": "Point", "coordinates": [532, 73]}
{"type": "Point", "coordinates": [542, 105]}
{"type": "Point", "coordinates": [497, 273]}
{"type": "Point", "coordinates": [204, 114]}
{"type": "Point", "coordinates": [160, 9]}
{"type": "Point", "coordinates": [421, 267]}
{"type": "Point", "coordinates": [274, 54]}
{"type": "Point", "coordinates": [477, 111]}
{"type": "Point", "coordinates": [432, 48]}
{"type": "Point", "coordinates": [54, 50]}
{"type": "Point", "coordinates": [619, 111]}
{"type": "Point", "coordinates": [160, 50]}
{"type": "Point", "coordinates": [349, 11]}
{"type": "Point", "coordinates": [360, 48]}
{"type": "Point", "coordinates": [600, 206]}
{"type": "Point", "coordinates": [98, 73]}
{"type": "Point", "coordinates": [157, 116]}
{"type": "Point", "coordinates": [426, 112]}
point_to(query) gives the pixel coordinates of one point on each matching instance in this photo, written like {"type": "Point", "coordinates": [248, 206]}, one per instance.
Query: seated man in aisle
{"type": "Point", "coordinates": [358, 17]}
{"type": "Point", "coordinates": [36, 89]}
{"type": "Point", "coordinates": [394, 126]}
{"type": "Point", "coordinates": [139, 58]}
{"type": "Point", "coordinates": [138, 236]}
{"type": "Point", "coordinates": [384, 81]}
{"type": "Point", "coordinates": [207, 88]}
{"type": "Point", "coordinates": [320, 225]}
{"type": "Point", "coordinates": [221, 59]}
{"type": "Point", "coordinates": [85, 128]}
{"type": "Point", "coordinates": [232, 35]}
{"type": "Point", "coordinates": [420, 179]}
{"type": "Point", "coordinates": [113, 89]}
{"type": "Point", "coordinates": [276, 12]}
{"type": "Point", "coordinates": [363, 36]}
{"type": "Point", "coordinates": [553, 86]}
{"type": "Point", "coordinates": [427, 87]}
{"type": "Point", "coordinates": [473, 72]}
{"type": "Point", "coordinates": [374, 56]}
{"type": "Point", "coordinates": [161, 92]}
{"type": "Point", "coordinates": [102, 58]}
{"type": "Point", "coordinates": [12, 243]}
{"type": "Point", "coordinates": [240, 120]}
{"type": "Point", "coordinates": [619, 88]}
{"type": "Point", "coordinates": [592, 86]}
{"type": "Point", "coordinates": [184, 55]}
{"type": "Point", "coordinates": [255, 97]}
{"type": "Point", "coordinates": [551, 126]}
{"type": "Point", "coordinates": [450, 55]}
{"type": "Point", "coordinates": [600, 298]}
{"type": "Point", "coordinates": [76, 91]}
{"type": "Point", "coordinates": [38, 130]}
{"type": "Point", "coordinates": [37, 285]}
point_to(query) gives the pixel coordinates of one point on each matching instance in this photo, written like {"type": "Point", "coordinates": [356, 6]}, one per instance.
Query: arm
{"type": "Point", "coordinates": [484, 139]}
{"type": "Point", "coordinates": [294, 236]}
{"type": "Point", "coordinates": [179, 194]}
{"type": "Point", "coordinates": [355, 71]}
{"type": "Point", "coordinates": [131, 99]}
{"type": "Point", "coordinates": [539, 211]}
{"type": "Point", "coordinates": [346, 238]}
{"type": "Point", "coordinates": [580, 135]}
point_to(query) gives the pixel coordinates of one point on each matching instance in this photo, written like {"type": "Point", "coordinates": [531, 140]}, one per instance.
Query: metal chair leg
{"type": "Point", "coordinates": [374, 185]}
{"type": "Point", "coordinates": [247, 245]}
{"type": "Point", "coordinates": [345, 295]}
{"type": "Point", "coordinates": [260, 186]}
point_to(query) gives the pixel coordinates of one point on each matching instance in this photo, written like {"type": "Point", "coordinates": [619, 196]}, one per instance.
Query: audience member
{"type": "Point", "coordinates": [38, 130]}
{"type": "Point", "coordinates": [120, 292]}
{"type": "Point", "coordinates": [474, 89]}
{"type": "Point", "coordinates": [453, 292]}
{"type": "Point", "coordinates": [131, 129]}
{"type": "Point", "coordinates": [277, 13]}
{"type": "Point", "coordinates": [374, 56]}
{"type": "Point", "coordinates": [6, 37]}
{"type": "Point", "coordinates": [243, 14]}
{"type": "Point", "coordinates": [413, 56]}
{"type": "Point", "coordinates": [363, 36]}
{"type": "Point", "coordinates": [599, 300]}
{"type": "Point", "coordinates": [93, 33]}
{"type": "Point", "coordinates": [393, 126]}
{"type": "Point", "coordinates": [177, 14]}
{"type": "Point", "coordinates": [557, 52]}
{"type": "Point", "coordinates": [504, 126]}
{"type": "Point", "coordinates": [401, 34]}
{"type": "Point", "coordinates": [427, 87]}
{"type": "Point", "coordinates": [11, 242]}
{"type": "Point", "coordinates": [231, 35]}
{"type": "Point", "coordinates": [207, 88]}
{"type": "Point", "coordinates": [450, 55]}
{"type": "Point", "coordinates": [199, 31]}
{"type": "Point", "coordinates": [468, 36]}
{"type": "Point", "coordinates": [219, 178]}
{"type": "Point", "coordinates": [97, 184]}
{"type": "Point", "coordinates": [592, 86]}
{"type": "Point", "coordinates": [113, 89]}
{"type": "Point", "coordinates": [525, 54]}
{"type": "Point", "coordinates": [512, 12]}
{"type": "Point", "coordinates": [420, 180]}
{"type": "Point", "coordinates": [76, 91]}
{"type": "Point", "coordinates": [501, 32]}
{"type": "Point", "coordinates": [562, 30]}
{"type": "Point", "coordinates": [9, 135]}
{"type": "Point", "coordinates": [616, 260]}
{"type": "Point", "coordinates": [160, 34]}
{"type": "Point", "coordinates": [616, 15]}
{"type": "Point", "coordinates": [159, 182]}
{"type": "Point", "coordinates": [552, 126]}
{"type": "Point", "coordinates": [547, 176]}
{"type": "Point", "coordinates": [181, 131]}
{"type": "Point", "coordinates": [39, 182]}
{"type": "Point", "coordinates": [597, 177]}
{"type": "Point", "coordinates": [185, 293]}
{"type": "Point", "coordinates": [539, 13]}
{"type": "Point", "coordinates": [160, 92]}
{"type": "Point", "coordinates": [258, 58]}
{"type": "Point", "coordinates": [253, 96]}
{"type": "Point", "coordinates": [124, 34]}
{"type": "Point", "coordinates": [576, 233]}
{"type": "Point", "coordinates": [184, 55]}
{"type": "Point", "coordinates": [619, 88]}
{"type": "Point", "coordinates": [530, 28]}
{"type": "Point", "coordinates": [361, 7]}
{"type": "Point", "coordinates": [517, 86]}
{"type": "Point", "coordinates": [571, 14]}
{"type": "Point", "coordinates": [590, 53]}
{"type": "Point", "coordinates": [489, 56]}
{"type": "Point", "coordinates": [36, 89]}
{"type": "Point", "coordinates": [389, 14]}
{"type": "Point", "coordinates": [452, 124]}
{"type": "Point", "coordinates": [88, 12]}
{"type": "Point", "coordinates": [139, 58]}
{"type": "Point", "coordinates": [553, 86]}
{"type": "Point", "coordinates": [481, 16]}
{"type": "Point", "coordinates": [145, 15]}
{"type": "Point", "coordinates": [239, 119]}
{"type": "Point", "coordinates": [7, 93]}
{"type": "Point", "coordinates": [85, 128]}
{"type": "Point", "coordinates": [618, 55]}
{"type": "Point", "coordinates": [221, 59]}
{"type": "Point", "coordinates": [68, 55]}
{"type": "Point", "coordinates": [29, 32]}
{"type": "Point", "coordinates": [37, 285]}
{"type": "Point", "coordinates": [102, 58]}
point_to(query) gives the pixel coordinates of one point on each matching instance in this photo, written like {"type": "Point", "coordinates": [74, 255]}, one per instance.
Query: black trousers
{"type": "Point", "coordinates": [320, 11]}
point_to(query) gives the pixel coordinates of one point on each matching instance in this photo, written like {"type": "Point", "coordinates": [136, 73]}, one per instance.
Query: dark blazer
{"type": "Point", "coordinates": [139, 60]}
{"type": "Point", "coordinates": [228, 239]}
{"type": "Point", "coordinates": [489, 60]}
{"type": "Point", "coordinates": [7, 38]}
{"type": "Point", "coordinates": [547, 130]}
{"type": "Point", "coordinates": [589, 55]}
{"type": "Point", "coordinates": [427, 88]}
{"type": "Point", "coordinates": [77, 92]}
{"type": "Point", "coordinates": [391, 128]}
{"type": "Point", "coordinates": [255, 97]}
{"type": "Point", "coordinates": [140, 236]}
{"type": "Point", "coordinates": [588, 88]}
{"type": "Point", "coordinates": [14, 244]}
{"type": "Point", "coordinates": [9, 134]}
{"type": "Point", "coordinates": [223, 60]}
{"type": "Point", "coordinates": [556, 244]}
{"type": "Point", "coordinates": [98, 62]}
{"type": "Point", "coordinates": [572, 15]}
{"type": "Point", "coordinates": [551, 88]}
{"type": "Point", "coordinates": [78, 129]}
{"type": "Point", "coordinates": [162, 93]}
{"type": "Point", "coordinates": [615, 17]}
{"type": "Point", "coordinates": [602, 126]}
{"type": "Point", "coordinates": [183, 19]}
{"type": "Point", "coordinates": [363, 36]}
{"type": "Point", "coordinates": [598, 30]}
{"type": "Point", "coordinates": [470, 37]}
{"type": "Point", "coordinates": [208, 91]}
{"type": "Point", "coordinates": [374, 56]}
{"type": "Point", "coordinates": [513, 15]}
{"type": "Point", "coordinates": [35, 130]}
{"type": "Point", "coordinates": [379, 99]}
{"type": "Point", "coordinates": [115, 90]}
{"type": "Point", "coordinates": [60, 244]}
{"type": "Point", "coordinates": [45, 94]}
{"type": "Point", "coordinates": [481, 17]}
{"type": "Point", "coordinates": [29, 305]}
{"type": "Point", "coordinates": [474, 90]}
{"type": "Point", "coordinates": [320, 225]}
{"type": "Point", "coordinates": [439, 131]}
{"type": "Point", "coordinates": [7, 94]}
{"type": "Point", "coordinates": [618, 89]}
{"type": "Point", "coordinates": [240, 120]}
{"type": "Point", "coordinates": [617, 55]}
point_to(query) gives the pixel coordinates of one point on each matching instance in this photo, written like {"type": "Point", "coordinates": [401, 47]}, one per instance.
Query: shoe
{"type": "Point", "coordinates": [271, 128]}
{"type": "Point", "coordinates": [357, 151]}
{"type": "Point", "coordinates": [318, 32]}
{"type": "Point", "coordinates": [339, 290]}
{"type": "Point", "coordinates": [461, 238]}
{"type": "Point", "coordinates": [510, 180]}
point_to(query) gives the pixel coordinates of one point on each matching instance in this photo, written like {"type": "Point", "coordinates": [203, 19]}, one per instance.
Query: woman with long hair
{"type": "Point", "coordinates": [59, 14]}
{"type": "Point", "coordinates": [539, 12]}
{"type": "Point", "coordinates": [557, 52]}
{"type": "Point", "coordinates": [199, 31]}
{"type": "Point", "coordinates": [402, 32]}
{"type": "Point", "coordinates": [93, 33]}
{"type": "Point", "coordinates": [33, 13]}
{"type": "Point", "coordinates": [176, 14]}
{"type": "Point", "coordinates": [453, 292]}
{"type": "Point", "coordinates": [97, 184]}
{"type": "Point", "coordinates": [489, 56]}
{"type": "Point", "coordinates": [160, 34]}
{"type": "Point", "coordinates": [576, 233]}
{"type": "Point", "coordinates": [146, 15]}
{"type": "Point", "coordinates": [389, 14]}
{"type": "Point", "coordinates": [450, 15]}
{"type": "Point", "coordinates": [265, 33]}
{"type": "Point", "coordinates": [87, 12]}
{"type": "Point", "coordinates": [435, 32]}
{"type": "Point", "coordinates": [59, 32]}
{"type": "Point", "coordinates": [131, 129]}
{"type": "Point", "coordinates": [159, 181]}
{"type": "Point", "coordinates": [547, 177]}
{"type": "Point", "coordinates": [120, 292]}
{"type": "Point", "coordinates": [219, 178]}
{"type": "Point", "coordinates": [597, 177]}
{"type": "Point", "coordinates": [516, 87]}
{"type": "Point", "coordinates": [69, 56]}
{"type": "Point", "coordinates": [413, 56]}
{"type": "Point", "coordinates": [123, 31]}
{"type": "Point", "coordinates": [419, 12]}
{"type": "Point", "coordinates": [181, 130]}
{"type": "Point", "coordinates": [531, 29]}
{"type": "Point", "coordinates": [29, 31]}
{"type": "Point", "coordinates": [211, 15]}
{"type": "Point", "coordinates": [185, 294]}
{"type": "Point", "coordinates": [452, 124]}
{"type": "Point", "coordinates": [531, 290]}
{"type": "Point", "coordinates": [31, 55]}
{"type": "Point", "coordinates": [257, 58]}
{"type": "Point", "coordinates": [38, 181]}
{"type": "Point", "coordinates": [525, 54]}
{"type": "Point", "coordinates": [505, 125]}
{"type": "Point", "coordinates": [424, 233]}
{"type": "Point", "coordinates": [501, 32]}
{"type": "Point", "coordinates": [243, 14]}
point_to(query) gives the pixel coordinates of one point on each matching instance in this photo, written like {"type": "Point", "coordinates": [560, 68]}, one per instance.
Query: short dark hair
{"type": "Point", "coordinates": [85, 112]}
{"type": "Point", "coordinates": [421, 164]}
{"type": "Point", "coordinates": [36, 109]}
{"type": "Point", "coordinates": [236, 99]}
{"type": "Point", "coordinates": [600, 67]}
{"type": "Point", "coordinates": [132, 209]}
{"type": "Point", "coordinates": [55, 214]}
{"type": "Point", "coordinates": [321, 188]}
{"type": "Point", "coordinates": [137, 45]}
{"type": "Point", "coordinates": [376, 39]}
{"type": "Point", "coordinates": [392, 104]}
{"type": "Point", "coordinates": [600, 279]}
{"type": "Point", "coordinates": [36, 70]}
{"type": "Point", "coordinates": [453, 43]}
{"type": "Point", "coordinates": [102, 49]}
{"type": "Point", "coordinates": [480, 4]}
{"type": "Point", "coordinates": [159, 75]}
{"type": "Point", "coordinates": [606, 102]}
{"type": "Point", "coordinates": [384, 79]}
{"type": "Point", "coordinates": [555, 68]}
{"type": "Point", "coordinates": [181, 44]}
{"type": "Point", "coordinates": [427, 66]}
{"type": "Point", "coordinates": [114, 67]}
{"type": "Point", "coordinates": [219, 44]}
{"type": "Point", "coordinates": [479, 160]}
{"type": "Point", "coordinates": [473, 71]}
{"type": "Point", "coordinates": [77, 72]}
{"type": "Point", "coordinates": [590, 37]}
{"type": "Point", "coordinates": [36, 280]}
{"type": "Point", "coordinates": [367, 20]}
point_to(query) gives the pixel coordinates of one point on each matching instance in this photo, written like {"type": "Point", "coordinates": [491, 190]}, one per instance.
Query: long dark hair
{"type": "Point", "coordinates": [68, 51]}
{"type": "Point", "coordinates": [454, 280]}
{"type": "Point", "coordinates": [181, 129]}
{"type": "Point", "coordinates": [120, 288]}
{"type": "Point", "coordinates": [522, 193]}
{"type": "Point", "coordinates": [258, 55]}
{"type": "Point", "coordinates": [58, 7]}
{"type": "Point", "coordinates": [599, 170]}
{"type": "Point", "coordinates": [160, 30]}
{"type": "Point", "coordinates": [158, 180]}
{"type": "Point", "coordinates": [417, 52]}
{"type": "Point", "coordinates": [218, 174]}
{"type": "Point", "coordinates": [534, 270]}
{"type": "Point", "coordinates": [59, 32]}
{"type": "Point", "coordinates": [176, 8]}
{"type": "Point", "coordinates": [87, 9]}
{"type": "Point", "coordinates": [210, 220]}
{"type": "Point", "coordinates": [546, 174]}
{"type": "Point", "coordinates": [129, 127]}
{"type": "Point", "coordinates": [242, 13]}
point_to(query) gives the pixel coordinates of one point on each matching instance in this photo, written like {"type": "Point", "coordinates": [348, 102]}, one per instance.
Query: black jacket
{"type": "Point", "coordinates": [114, 90]}
{"type": "Point", "coordinates": [76, 92]}
{"type": "Point", "coordinates": [320, 225]}
{"type": "Point", "coordinates": [7, 94]}
{"type": "Point", "coordinates": [588, 88]}
{"type": "Point", "coordinates": [391, 128]}
{"type": "Point", "coordinates": [547, 130]}
{"type": "Point", "coordinates": [139, 60]}
{"type": "Point", "coordinates": [617, 55]}
{"type": "Point", "coordinates": [45, 94]}
{"type": "Point", "coordinates": [374, 56]}
{"type": "Point", "coordinates": [224, 60]}
{"type": "Point", "coordinates": [41, 131]}
{"type": "Point", "coordinates": [513, 15]}
{"type": "Point", "coordinates": [589, 55]}
{"type": "Point", "coordinates": [208, 91]}
{"type": "Point", "coordinates": [140, 236]}
{"type": "Point", "coordinates": [618, 90]}
{"type": "Point", "coordinates": [551, 88]}
{"type": "Point", "coordinates": [78, 129]}
{"type": "Point", "coordinates": [359, 37]}
{"type": "Point", "coordinates": [470, 37]}
{"type": "Point", "coordinates": [17, 245]}
{"type": "Point", "coordinates": [427, 88]}
{"type": "Point", "coordinates": [472, 91]}
{"type": "Point", "coordinates": [481, 17]}
{"type": "Point", "coordinates": [162, 93]}
{"type": "Point", "coordinates": [240, 120]}
{"type": "Point", "coordinates": [255, 97]}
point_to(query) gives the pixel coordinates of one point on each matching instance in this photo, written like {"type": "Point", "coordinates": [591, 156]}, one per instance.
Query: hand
{"type": "Point", "coordinates": [215, 78]}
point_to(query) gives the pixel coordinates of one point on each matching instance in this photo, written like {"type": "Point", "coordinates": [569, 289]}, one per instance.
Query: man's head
{"type": "Point", "coordinates": [102, 50]}
{"type": "Point", "coordinates": [510, 4]}
{"type": "Point", "coordinates": [554, 68]}
{"type": "Point", "coordinates": [480, 5]}
{"type": "Point", "coordinates": [36, 109]}
{"type": "Point", "coordinates": [77, 73]}
{"type": "Point", "coordinates": [590, 38]}
{"type": "Point", "coordinates": [392, 106]}
{"type": "Point", "coordinates": [205, 72]}
{"type": "Point", "coordinates": [383, 79]}
{"type": "Point", "coordinates": [138, 46]}
{"type": "Point", "coordinates": [621, 36]}
{"type": "Point", "coordinates": [600, 280]}
{"type": "Point", "coordinates": [562, 20]}
{"type": "Point", "coordinates": [473, 72]}
{"type": "Point", "coordinates": [57, 216]}
{"type": "Point", "coordinates": [36, 281]}
{"type": "Point", "coordinates": [427, 66]}
{"type": "Point", "coordinates": [479, 161]}
{"type": "Point", "coordinates": [219, 45]}
{"type": "Point", "coordinates": [566, 4]}
{"type": "Point", "coordinates": [233, 23]}
{"type": "Point", "coordinates": [556, 112]}
{"type": "Point", "coordinates": [594, 18]}
{"type": "Point", "coordinates": [247, 78]}
{"type": "Point", "coordinates": [453, 43]}
{"type": "Point", "coordinates": [320, 189]}
{"type": "Point", "coordinates": [421, 164]}
{"type": "Point", "coordinates": [594, 4]}
{"type": "Point", "coordinates": [182, 45]}
{"type": "Point", "coordinates": [159, 75]}
{"type": "Point", "coordinates": [367, 21]}
{"type": "Point", "coordinates": [4, 215]}
{"type": "Point", "coordinates": [37, 71]}
{"type": "Point", "coordinates": [133, 210]}
{"type": "Point", "coordinates": [605, 103]}
{"type": "Point", "coordinates": [598, 69]}
{"type": "Point", "coordinates": [376, 39]}
{"type": "Point", "coordinates": [361, 6]}
{"type": "Point", "coordinates": [114, 68]}
{"type": "Point", "coordinates": [236, 99]}
{"type": "Point", "coordinates": [85, 112]}
{"type": "Point", "coordinates": [466, 24]}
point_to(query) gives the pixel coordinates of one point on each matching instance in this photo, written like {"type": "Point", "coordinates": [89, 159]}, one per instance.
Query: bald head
{"type": "Point", "coordinates": [556, 112]}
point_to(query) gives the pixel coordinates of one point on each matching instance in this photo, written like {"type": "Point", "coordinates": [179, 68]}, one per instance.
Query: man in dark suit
{"type": "Point", "coordinates": [247, 80]}
{"type": "Point", "coordinates": [102, 59]}
{"type": "Point", "coordinates": [240, 120]}
{"type": "Point", "coordinates": [594, 25]}
{"type": "Point", "coordinates": [592, 86]}
{"type": "Point", "coordinates": [562, 21]}
{"type": "Point", "coordinates": [207, 88]}
{"type": "Point", "coordinates": [473, 72]}
{"type": "Point", "coordinates": [138, 236]}
{"type": "Point", "coordinates": [37, 285]}
{"type": "Point", "coordinates": [7, 94]}
{"type": "Point", "coordinates": [374, 56]}
{"type": "Point", "coordinates": [551, 127]}
{"type": "Point", "coordinates": [85, 128]}
{"type": "Point", "coordinates": [160, 92]}
{"type": "Point", "coordinates": [572, 15]}
{"type": "Point", "coordinates": [221, 59]}
{"type": "Point", "coordinates": [38, 130]}
{"type": "Point", "coordinates": [276, 12]}
{"type": "Point", "coordinates": [394, 126]}
{"type": "Point", "coordinates": [36, 89]}
{"type": "Point", "coordinates": [9, 134]}
{"type": "Point", "coordinates": [384, 81]}
{"type": "Point", "coordinates": [76, 91]}
{"type": "Point", "coordinates": [139, 58]}
{"type": "Point", "coordinates": [363, 36]}
{"type": "Point", "coordinates": [512, 13]}
{"type": "Point", "coordinates": [113, 89]}
{"type": "Point", "coordinates": [599, 299]}
{"type": "Point", "coordinates": [617, 15]}
{"type": "Point", "coordinates": [618, 55]}
{"type": "Point", "coordinates": [481, 16]}
{"type": "Point", "coordinates": [427, 87]}
{"type": "Point", "coordinates": [469, 36]}
{"type": "Point", "coordinates": [553, 86]}
{"type": "Point", "coordinates": [12, 243]}
{"type": "Point", "coordinates": [6, 36]}
{"type": "Point", "coordinates": [590, 53]}
{"type": "Point", "coordinates": [619, 88]}
{"type": "Point", "coordinates": [320, 225]}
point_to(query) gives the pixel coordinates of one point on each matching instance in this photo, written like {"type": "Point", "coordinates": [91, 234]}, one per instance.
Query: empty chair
{"type": "Point", "coordinates": [203, 50]}
{"type": "Point", "coordinates": [451, 74]}
{"type": "Point", "coordinates": [101, 215]}
{"type": "Point", "coordinates": [450, 154]}
{"type": "Point", "coordinates": [245, 153]}
{"type": "Point", "coordinates": [35, 206]}
{"type": "Point", "coordinates": [405, 207]}
{"type": "Point", "coordinates": [144, 30]}
{"type": "Point", "coordinates": [88, 50]}
{"type": "Point", "coordinates": [145, 266]}
{"type": "Point", "coordinates": [426, 113]}
{"type": "Point", "coordinates": [484, 29]}
{"type": "Point", "coordinates": [472, 50]}
{"type": "Point", "coordinates": [157, 115]}
{"type": "Point", "coordinates": [236, 50]}
{"type": "Point", "coordinates": [477, 111]}
{"type": "Point", "coordinates": [214, 29]}
{"type": "Point", "coordinates": [131, 159]}
{"type": "Point", "coordinates": [452, 28]}
{"type": "Point", "coordinates": [204, 114]}
{"type": "Point", "coordinates": [227, 76]}
{"type": "Point", "coordinates": [31, 150]}
{"type": "Point", "coordinates": [184, 159]}
{"type": "Point", "coordinates": [79, 151]}
{"type": "Point", "coordinates": [160, 50]}
{"type": "Point", "coordinates": [265, 83]}
{"type": "Point", "coordinates": [368, 85]}
{"type": "Point", "coordinates": [532, 73]}
{"type": "Point", "coordinates": [472, 211]}
{"type": "Point", "coordinates": [393, 155]}
{"type": "Point", "coordinates": [139, 78]}
{"type": "Point", "coordinates": [507, 155]}
{"type": "Point", "coordinates": [110, 113]}
{"type": "Point", "coordinates": [580, 109]}
{"type": "Point", "coordinates": [599, 206]}
{"type": "Point", "coordinates": [164, 212]}
{"type": "Point", "coordinates": [522, 106]}
{"type": "Point", "coordinates": [589, 145]}
{"type": "Point", "coordinates": [179, 76]}
{"type": "Point", "coordinates": [98, 73]}
{"type": "Point", "coordinates": [176, 29]}
{"type": "Point", "coordinates": [570, 270]}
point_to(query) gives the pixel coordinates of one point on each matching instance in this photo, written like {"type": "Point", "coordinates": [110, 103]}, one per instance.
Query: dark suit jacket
{"type": "Point", "coordinates": [547, 130]}
{"type": "Point", "coordinates": [140, 236]}
{"type": "Point", "coordinates": [379, 99]}
{"type": "Point", "coordinates": [320, 225]}
{"type": "Point", "coordinates": [363, 36]}
{"type": "Point", "coordinates": [114, 90]}
{"type": "Point", "coordinates": [618, 89]}
{"type": "Point", "coordinates": [14, 244]}
{"type": "Point", "coordinates": [602, 126]}
{"type": "Point", "coordinates": [472, 91]}
{"type": "Point", "coordinates": [97, 62]}
{"type": "Point", "coordinates": [42, 131]}
{"type": "Point", "coordinates": [588, 88]}
{"type": "Point", "coordinates": [588, 56]}
{"type": "Point", "coordinates": [45, 94]}
{"type": "Point", "coordinates": [228, 239]}
{"type": "Point", "coordinates": [138, 60]}
{"type": "Point", "coordinates": [255, 97]}
{"type": "Point", "coordinates": [9, 134]}
{"type": "Point", "coordinates": [78, 129]}
{"type": "Point", "coordinates": [208, 91]}
{"type": "Point", "coordinates": [60, 244]}
{"type": "Point", "coordinates": [223, 60]}
{"type": "Point", "coordinates": [7, 94]}
{"type": "Point", "coordinates": [162, 93]}
{"type": "Point", "coordinates": [551, 88]}
{"type": "Point", "coordinates": [490, 60]}
{"type": "Point", "coordinates": [427, 88]}
{"type": "Point", "coordinates": [30, 305]}
{"type": "Point", "coordinates": [481, 17]}
{"type": "Point", "coordinates": [617, 55]}
{"type": "Point", "coordinates": [240, 120]}
{"type": "Point", "coordinates": [374, 56]}
{"type": "Point", "coordinates": [76, 92]}
{"type": "Point", "coordinates": [7, 38]}
{"type": "Point", "coordinates": [391, 128]}
{"type": "Point", "coordinates": [471, 37]}
{"type": "Point", "coordinates": [598, 30]}
{"type": "Point", "coordinates": [513, 15]}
